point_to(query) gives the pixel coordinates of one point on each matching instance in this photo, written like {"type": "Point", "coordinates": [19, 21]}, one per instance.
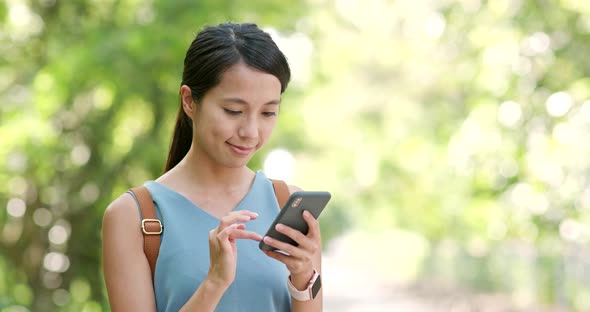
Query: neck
{"type": "Point", "coordinates": [199, 170]}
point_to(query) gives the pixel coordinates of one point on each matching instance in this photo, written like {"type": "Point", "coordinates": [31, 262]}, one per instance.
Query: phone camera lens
{"type": "Point", "coordinates": [296, 202]}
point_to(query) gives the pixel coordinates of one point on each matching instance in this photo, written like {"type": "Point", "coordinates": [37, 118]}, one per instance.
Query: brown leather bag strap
{"type": "Point", "coordinates": [281, 192]}
{"type": "Point", "coordinates": [150, 226]}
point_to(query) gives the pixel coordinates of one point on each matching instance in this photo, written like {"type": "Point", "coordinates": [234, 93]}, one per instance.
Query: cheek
{"type": "Point", "coordinates": [217, 125]}
{"type": "Point", "coordinates": [211, 129]}
{"type": "Point", "coordinates": [221, 129]}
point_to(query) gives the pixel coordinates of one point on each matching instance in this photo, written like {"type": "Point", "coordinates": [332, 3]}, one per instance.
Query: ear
{"type": "Point", "coordinates": [188, 104]}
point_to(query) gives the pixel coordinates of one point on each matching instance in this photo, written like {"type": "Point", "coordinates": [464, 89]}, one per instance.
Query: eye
{"type": "Point", "coordinates": [269, 114]}
{"type": "Point", "coordinates": [232, 112]}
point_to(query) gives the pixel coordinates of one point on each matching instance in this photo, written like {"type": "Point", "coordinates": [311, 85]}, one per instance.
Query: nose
{"type": "Point", "coordinates": [248, 128]}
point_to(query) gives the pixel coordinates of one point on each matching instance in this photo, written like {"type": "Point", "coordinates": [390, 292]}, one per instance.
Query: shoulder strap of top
{"type": "Point", "coordinates": [152, 227]}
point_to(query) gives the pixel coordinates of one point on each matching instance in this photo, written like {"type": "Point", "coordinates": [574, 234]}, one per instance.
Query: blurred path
{"type": "Point", "coordinates": [348, 289]}
{"type": "Point", "coordinates": [360, 275]}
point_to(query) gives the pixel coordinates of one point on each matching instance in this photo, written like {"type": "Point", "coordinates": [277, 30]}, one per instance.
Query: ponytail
{"type": "Point", "coordinates": [181, 140]}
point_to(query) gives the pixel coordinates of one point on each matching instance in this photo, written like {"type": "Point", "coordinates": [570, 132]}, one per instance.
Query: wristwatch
{"type": "Point", "coordinates": [315, 283]}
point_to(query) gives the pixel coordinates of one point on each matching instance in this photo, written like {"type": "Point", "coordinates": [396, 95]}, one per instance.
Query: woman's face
{"type": "Point", "coordinates": [235, 118]}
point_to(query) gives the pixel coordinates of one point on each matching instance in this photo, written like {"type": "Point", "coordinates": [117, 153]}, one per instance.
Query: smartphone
{"type": "Point", "coordinates": [292, 215]}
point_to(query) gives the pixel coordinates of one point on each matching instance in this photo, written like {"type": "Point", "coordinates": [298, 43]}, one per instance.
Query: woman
{"type": "Point", "coordinates": [214, 208]}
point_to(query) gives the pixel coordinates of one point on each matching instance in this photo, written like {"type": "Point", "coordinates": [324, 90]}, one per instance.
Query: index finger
{"type": "Point", "coordinates": [237, 216]}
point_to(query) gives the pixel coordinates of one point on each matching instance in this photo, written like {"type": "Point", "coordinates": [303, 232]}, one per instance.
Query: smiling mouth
{"type": "Point", "coordinates": [241, 150]}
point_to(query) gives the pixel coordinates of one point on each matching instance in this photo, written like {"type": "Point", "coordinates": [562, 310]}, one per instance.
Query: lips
{"type": "Point", "coordinates": [241, 150]}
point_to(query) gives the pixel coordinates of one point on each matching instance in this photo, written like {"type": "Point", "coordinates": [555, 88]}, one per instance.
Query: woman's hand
{"type": "Point", "coordinates": [222, 246]}
{"type": "Point", "coordinates": [300, 260]}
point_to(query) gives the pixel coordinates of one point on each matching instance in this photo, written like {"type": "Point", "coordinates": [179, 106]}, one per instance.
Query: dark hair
{"type": "Point", "coordinates": [214, 50]}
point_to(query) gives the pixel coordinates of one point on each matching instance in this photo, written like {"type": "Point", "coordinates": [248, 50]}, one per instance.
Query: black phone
{"type": "Point", "coordinates": [292, 215]}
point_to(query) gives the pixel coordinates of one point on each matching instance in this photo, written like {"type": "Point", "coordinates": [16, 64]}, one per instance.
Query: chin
{"type": "Point", "coordinates": [236, 163]}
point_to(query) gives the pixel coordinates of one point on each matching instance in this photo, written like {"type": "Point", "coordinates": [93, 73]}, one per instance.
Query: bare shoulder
{"type": "Point", "coordinates": [121, 224]}
{"type": "Point", "coordinates": [122, 212]}
{"type": "Point", "coordinates": [294, 188]}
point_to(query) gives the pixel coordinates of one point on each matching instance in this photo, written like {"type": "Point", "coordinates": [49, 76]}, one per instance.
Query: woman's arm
{"type": "Point", "coordinates": [302, 260]}
{"type": "Point", "coordinates": [126, 270]}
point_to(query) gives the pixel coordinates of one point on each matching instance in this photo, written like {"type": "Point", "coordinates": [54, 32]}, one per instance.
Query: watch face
{"type": "Point", "coordinates": [316, 286]}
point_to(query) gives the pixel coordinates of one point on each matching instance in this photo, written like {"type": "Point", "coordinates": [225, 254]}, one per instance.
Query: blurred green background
{"type": "Point", "coordinates": [453, 135]}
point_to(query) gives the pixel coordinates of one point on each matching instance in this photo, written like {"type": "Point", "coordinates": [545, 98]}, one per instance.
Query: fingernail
{"type": "Point", "coordinates": [255, 214]}
{"type": "Point", "coordinates": [279, 227]}
{"type": "Point", "coordinates": [267, 239]}
{"type": "Point", "coordinates": [306, 213]}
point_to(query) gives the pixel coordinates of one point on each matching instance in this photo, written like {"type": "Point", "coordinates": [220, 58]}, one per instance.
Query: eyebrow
{"type": "Point", "coordinates": [241, 101]}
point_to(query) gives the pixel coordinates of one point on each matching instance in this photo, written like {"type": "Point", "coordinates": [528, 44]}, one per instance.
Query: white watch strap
{"type": "Point", "coordinates": [302, 295]}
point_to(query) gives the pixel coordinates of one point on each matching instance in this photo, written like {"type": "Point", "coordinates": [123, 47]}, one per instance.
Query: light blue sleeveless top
{"type": "Point", "coordinates": [183, 263]}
